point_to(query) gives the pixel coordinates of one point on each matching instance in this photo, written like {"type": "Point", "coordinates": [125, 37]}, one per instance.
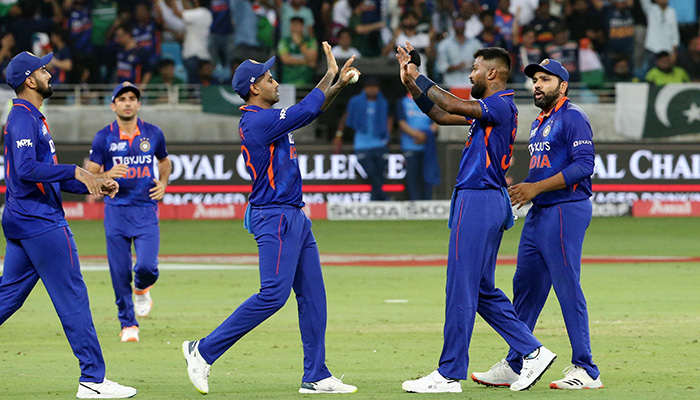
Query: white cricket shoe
{"type": "Point", "coordinates": [501, 375]}
{"type": "Point", "coordinates": [328, 385]}
{"type": "Point", "coordinates": [143, 303]}
{"type": "Point", "coordinates": [105, 390]}
{"type": "Point", "coordinates": [130, 334]}
{"type": "Point", "coordinates": [433, 383]}
{"type": "Point", "coordinates": [534, 366]}
{"type": "Point", "coordinates": [576, 377]}
{"type": "Point", "coordinates": [197, 368]}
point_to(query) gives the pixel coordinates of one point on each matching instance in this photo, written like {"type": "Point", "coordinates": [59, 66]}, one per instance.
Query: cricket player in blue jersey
{"type": "Point", "coordinates": [288, 254]}
{"type": "Point", "coordinates": [559, 185]}
{"type": "Point", "coordinates": [128, 149]}
{"type": "Point", "coordinates": [40, 243]}
{"type": "Point", "coordinates": [480, 212]}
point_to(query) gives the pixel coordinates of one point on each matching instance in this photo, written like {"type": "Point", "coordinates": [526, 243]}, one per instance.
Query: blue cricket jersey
{"type": "Point", "coordinates": [562, 141]}
{"type": "Point", "coordinates": [489, 148]}
{"type": "Point", "coordinates": [33, 176]}
{"type": "Point", "coordinates": [140, 152]}
{"type": "Point", "coordinates": [407, 110]}
{"type": "Point", "coordinates": [268, 149]}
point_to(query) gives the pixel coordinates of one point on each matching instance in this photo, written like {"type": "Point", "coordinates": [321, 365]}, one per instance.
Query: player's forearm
{"type": "Point", "coordinates": [332, 94]}
{"type": "Point", "coordinates": [552, 183]}
{"type": "Point", "coordinates": [325, 84]}
{"type": "Point", "coordinates": [452, 104]}
{"type": "Point", "coordinates": [165, 167]}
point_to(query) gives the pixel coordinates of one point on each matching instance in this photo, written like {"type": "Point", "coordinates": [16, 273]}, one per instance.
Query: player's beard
{"type": "Point", "coordinates": [548, 98]}
{"type": "Point", "coordinates": [45, 91]}
{"type": "Point", "coordinates": [478, 90]}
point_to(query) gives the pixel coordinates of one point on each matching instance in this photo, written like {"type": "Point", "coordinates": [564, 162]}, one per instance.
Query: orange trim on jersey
{"type": "Point", "coordinates": [486, 142]}
{"type": "Point", "coordinates": [22, 105]}
{"type": "Point", "coordinates": [556, 108]}
{"type": "Point", "coordinates": [270, 172]}
{"type": "Point", "coordinates": [41, 187]}
{"type": "Point", "coordinates": [243, 108]}
{"type": "Point", "coordinates": [506, 94]}
{"type": "Point", "coordinates": [130, 138]}
{"type": "Point", "coordinates": [574, 187]}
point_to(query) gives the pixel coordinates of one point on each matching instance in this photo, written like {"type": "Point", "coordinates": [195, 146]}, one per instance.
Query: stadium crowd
{"type": "Point", "coordinates": [203, 41]}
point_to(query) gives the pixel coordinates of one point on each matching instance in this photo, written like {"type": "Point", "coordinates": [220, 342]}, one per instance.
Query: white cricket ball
{"type": "Point", "coordinates": [354, 76]}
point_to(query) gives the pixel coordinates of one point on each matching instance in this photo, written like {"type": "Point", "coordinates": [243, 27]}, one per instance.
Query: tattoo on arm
{"type": "Point", "coordinates": [325, 84]}
{"type": "Point", "coordinates": [331, 95]}
{"type": "Point", "coordinates": [452, 104]}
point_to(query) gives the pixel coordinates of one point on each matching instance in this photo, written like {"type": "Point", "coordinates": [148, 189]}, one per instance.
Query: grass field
{"type": "Point", "coordinates": [644, 317]}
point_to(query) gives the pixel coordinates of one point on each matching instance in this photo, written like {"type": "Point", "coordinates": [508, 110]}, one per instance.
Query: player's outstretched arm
{"type": "Point", "coordinates": [409, 73]}
{"type": "Point", "coordinates": [118, 171]}
{"type": "Point", "coordinates": [89, 180]}
{"type": "Point", "coordinates": [108, 187]}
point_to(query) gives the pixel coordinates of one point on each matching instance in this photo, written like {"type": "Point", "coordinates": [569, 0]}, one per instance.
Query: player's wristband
{"type": "Point", "coordinates": [424, 83]}
{"type": "Point", "coordinates": [424, 103]}
{"type": "Point", "coordinates": [415, 57]}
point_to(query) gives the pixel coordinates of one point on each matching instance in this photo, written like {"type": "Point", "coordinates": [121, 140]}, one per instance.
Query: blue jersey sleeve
{"type": "Point", "coordinates": [494, 110]}
{"type": "Point", "coordinates": [74, 186]}
{"type": "Point", "coordinates": [400, 110]}
{"type": "Point", "coordinates": [160, 151]}
{"type": "Point", "coordinates": [581, 149]}
{"type": "Point", "coordinates": [97, 150]}
{"type": "Point", "coordinates": [22, 142]}
{"type": "Point", "coordinates": [279, 122]}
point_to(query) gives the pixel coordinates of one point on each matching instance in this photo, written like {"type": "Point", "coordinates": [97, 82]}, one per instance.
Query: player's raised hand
{"type": "Point", "coordinates": [108, 186]}
{"type": "Point", "coordinates": [521, 193]}
{"type": "Point", "coordinates": [88, 180]}
{"type": "Point", "coordinates": [346, 73]}
{"type": "Point", "coordinates": [118, 171]}
{"type": "Point", "coordinates": [408, 71]}
{"type": "Point", "coordinates": [158, 191]}
{"type": "Point", "coordinates": [330, 58]}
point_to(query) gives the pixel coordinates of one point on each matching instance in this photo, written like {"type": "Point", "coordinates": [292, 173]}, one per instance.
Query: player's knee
{"type": "Point", "coordinates": [273, 299]}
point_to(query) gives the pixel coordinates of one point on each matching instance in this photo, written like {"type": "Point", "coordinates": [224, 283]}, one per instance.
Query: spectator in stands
{"type": "Point", "coordinates": [662, 30]}
{"type": "Point", "coordinates": [409, 33]}
{"type": "Point", "coordinates": [544, 23]}
{"type": "Point", "coordinates": [205, 74]}
{"type": "Point", "coordinates": [576, 18]}
{"type": "Point", "coordinates": [418, 146]}
{"type": "Point", "coordinates": [344, 50]}
{"type": "Point", "coordinates": [454, 57]}
{"type": "Point", "coordinates": [323, 17]}
{"type": "Point", "coordinates": [341, 18]}
{"type": "Point", "coordinates": [295, 8]}
{"type": "Point", "coordinates": [133, 63]}
{"type": "Point", "coordinates": [146, 30]}
{"type": "Point", "coordinates": [245, 34]}
{"type": "Point", "coordinates": [666, 71]}
{"type": "Point", "coordinates": [490, 36]}
{"type": "Point", "coordinates": [621, 70]}
{"type": "Point", "coordinates": [366, 36]}
{"type": "Point", "coordinates": [506, 23]}
{"type": "Point", "coordinates": [221, 33]}
{"type": "Point", "coordinates": [620, 32]}
{"type": "Point", "coordinates": [524, 10]}
{"type": "Point", "coordinates": [298, 53]}
{"type": "Point", "coordinates": [469, 11]}
{"type": "Point", "coordinates": [25, 20]}
{"type": "Point", "coordinates": [166, 76]}
{"type": "Point", "coordinates": [61, 64]}
{"type": "Point", "coordinates": [368, 115]}
{"type": "Point", "coordinates": [526, 52]}
{"type": "Point", "coordinates": [424, 20]}
{"type": "Point", "coordinates": [195, 46]}
{"type": "Point", "coordinates": [103, 16]}
{"type": "Point", "coordinates": [687, 13]}
{"type": "Point", "coordinates": [444, 14]}
{"type": "Point", "coordinates": [565, 51]}
{"type": "Point", "coordinates": [590, 66]}
{"type": "Point", "coordinates": [7, 51]}
{"type": "Point", "coordinates": [691, 59]}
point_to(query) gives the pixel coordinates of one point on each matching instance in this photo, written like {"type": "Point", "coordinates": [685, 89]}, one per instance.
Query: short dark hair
{"type": "Point", "coordinates": [495, 53]}
{"type": "Point", "coordinates": [662, 54]}
{"type": "Point", "coordinates": [297, 19]}
{"type": "Point", "coordinates": [166, 62]}
{"type": "Point", "coordinates": [345, 30]}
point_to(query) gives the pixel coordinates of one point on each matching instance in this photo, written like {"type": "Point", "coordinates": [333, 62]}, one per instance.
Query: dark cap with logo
{"type": "Point", "coordinates": [550, 66]}
{"type": "Point", "coordinates": [22, 65]}
{"type": "Point", "coordinates": [248, 72]}
{"type": "Point", "coordinates": [125, 87]}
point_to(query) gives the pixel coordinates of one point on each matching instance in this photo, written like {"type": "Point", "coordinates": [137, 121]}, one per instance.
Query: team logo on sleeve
{"type": "Point", "coordinates": [145, 145]}
{"type": "Point", "coordinates": [44, 131]}
{"type": "Point", "coordinates": [24, 143]}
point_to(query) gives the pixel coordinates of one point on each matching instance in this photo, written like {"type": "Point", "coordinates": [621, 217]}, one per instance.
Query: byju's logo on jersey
{"type": "Point", "coordinates": [121, 146]}
{"type": "Point", "coordinates": [25, 143]}
{"type": "Point", "coordinates": [145, 145]}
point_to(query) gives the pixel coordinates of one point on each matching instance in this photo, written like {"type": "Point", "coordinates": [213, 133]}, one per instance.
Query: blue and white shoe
{"type": "Point", "coordinates": [328, 385]}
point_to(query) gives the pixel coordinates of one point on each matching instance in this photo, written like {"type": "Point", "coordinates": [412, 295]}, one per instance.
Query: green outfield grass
{"type": "Point", "coordinates": [644, 317]}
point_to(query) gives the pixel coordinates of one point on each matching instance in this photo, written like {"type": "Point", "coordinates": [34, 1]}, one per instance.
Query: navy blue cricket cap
{"type": "Point", "coordinates": [22, 65]}
{"type": "Point", "coordinates": [125, 87]}
{"type": "Point", "coordinates": [552, 67]}
{"type": "Point", "coordinates": [248, 72]}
